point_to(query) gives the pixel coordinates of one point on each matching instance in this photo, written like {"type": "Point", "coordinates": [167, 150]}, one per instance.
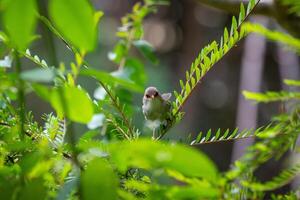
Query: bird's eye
{"type": "Point", "coordinates": [148, 96]}
{"type": "Point", "coordinates": [155, 94]}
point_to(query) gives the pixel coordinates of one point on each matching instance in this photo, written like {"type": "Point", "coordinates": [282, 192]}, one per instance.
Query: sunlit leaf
{"type": "Point", "coordinates": [76, 21]}
{"type": "Point", "coordinates": [68, 101]}
{"type": "Point", "coordinates": [98, 181]}
{"type": "Point", "coordinates": [19, 20]}
{"type": "Point", "coordinates": [72, 102]}
{"type": "Point", "coordinates": [185, 160]}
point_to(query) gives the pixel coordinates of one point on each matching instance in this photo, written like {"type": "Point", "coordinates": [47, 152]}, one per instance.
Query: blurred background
{"type": "Point", "coordinates": [178, 32]}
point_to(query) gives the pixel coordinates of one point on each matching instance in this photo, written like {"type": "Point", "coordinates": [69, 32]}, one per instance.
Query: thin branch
{"type": "Point", "coordinates": [117, 106]}
{"type": "Point", "coordinates": [21, 95]}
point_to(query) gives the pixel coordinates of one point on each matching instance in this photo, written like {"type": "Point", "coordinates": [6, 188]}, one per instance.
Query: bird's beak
{"type": "Point", "coordinates": [152, 96]}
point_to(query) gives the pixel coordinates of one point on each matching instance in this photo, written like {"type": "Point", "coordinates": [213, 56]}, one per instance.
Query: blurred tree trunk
{"type": "Point", "coordinates": [250, 79]}
{"type": "Point", "coordinates": [289, 69]}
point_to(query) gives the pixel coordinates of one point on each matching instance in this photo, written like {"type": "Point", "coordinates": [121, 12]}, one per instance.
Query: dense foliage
{"type": "Point", "coordinates": [114, 160]}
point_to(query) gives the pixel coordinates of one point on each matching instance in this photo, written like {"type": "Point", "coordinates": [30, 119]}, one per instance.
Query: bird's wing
{"type": "Point", "coordinates": [166, 96]}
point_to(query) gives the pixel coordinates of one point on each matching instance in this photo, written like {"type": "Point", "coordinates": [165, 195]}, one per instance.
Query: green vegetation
{"type": "Point", "coordinates": [116, 161]}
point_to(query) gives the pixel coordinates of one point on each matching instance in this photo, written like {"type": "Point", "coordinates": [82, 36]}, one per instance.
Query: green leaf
{"type": "Point", "coordinates": [135, 71]}
{"type": "Point", "coordinates": [242, 13]}
{"type": "Point", "coordinates": [208, 134]}
{"type": "Point", "coordinates": [42, 91]}
{"type": "Point", "coordinates": [182, 159]}
{"type": "Point", "coordinates": [146, 49]}
{"type": "Point", "coordinates": [72, 102]}
{"type": "Point", "coordinates": [118, 53]}
{"type": "Point", "coordinates": [187, 75]}
{"type": "Point", "coordinates": [193, 81]}
{"type": "Point", "coordinates": [38, 75]}
{"type": "Point", "coordinates": [33, 190]}
{"type": "Point", "coordinates": [224, 136]}
{"type": "Point", "coordinates": [273, 35]}
{"type": "Point", "coordinates": [218, 134]}
{"type": "Point", "coordinates": [292, 82]}
{"type": "Point", "coordinates": [187, 88]}
{"type": "Point", "coordinates": [199, 137]}
{"type": "Point", "coordinates": [181, 84]}
{"type": "Point", "coordinates": [109, 79]}
{"type": "Point", "coordinates": [98, 181]}
{"type": "Point", "coordinates": [271, 96]}
{"type": "Point", "coordinates": [233, 26]}
{"type": "Point", "coordinates": [198, 75]}
{"type": "Point", "coordinates": [76, 21]}
{"type": "Point", "coordinates": [225, 36]}
{"type": "Point", "coordinates": [250, 6]}
{"type": "Point", "coordinates": [19, 20]}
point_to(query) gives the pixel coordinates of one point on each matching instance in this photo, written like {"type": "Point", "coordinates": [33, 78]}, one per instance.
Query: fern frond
{"type": "Point", "coordinates": [226, 135]}
{"type": "Point", "coordinates": [271, 96]}
{"type": "Point", "coordinates": [210, 55]}
{"type": "Point", "coordinates": [54, 130]}
{"type": "Point", "coordinates": [284, 38]}
{"type": "Point", "coordinates": [282, 179]}
{"type": "Point", "coordinates": [290, 82]}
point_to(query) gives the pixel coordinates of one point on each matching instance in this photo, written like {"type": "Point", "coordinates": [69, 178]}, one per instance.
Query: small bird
{"type": "Point", "coordinates": [156, 107]}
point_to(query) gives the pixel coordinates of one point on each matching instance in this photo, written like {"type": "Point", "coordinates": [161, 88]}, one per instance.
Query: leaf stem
{"type": "Point", "coordinates": [21, 95]}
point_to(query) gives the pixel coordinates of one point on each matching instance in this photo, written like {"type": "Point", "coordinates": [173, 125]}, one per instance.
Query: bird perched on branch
{"type": "Point", "coordinates": [156, 108]}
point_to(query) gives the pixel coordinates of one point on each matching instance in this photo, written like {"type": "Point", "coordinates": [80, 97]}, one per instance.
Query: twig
{"type": "Point", "coordinates": [117, 106]}
{"type": "Point", "coordinates": [21, 96]}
